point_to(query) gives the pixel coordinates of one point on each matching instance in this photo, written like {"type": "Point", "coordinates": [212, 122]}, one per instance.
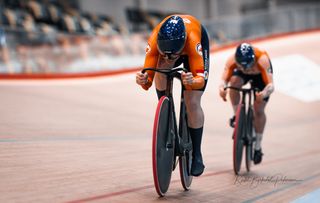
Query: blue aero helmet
{"type": "Point", "coordinates": [172, 36]}
{"type": "Point", "coordinates": [245, 55]}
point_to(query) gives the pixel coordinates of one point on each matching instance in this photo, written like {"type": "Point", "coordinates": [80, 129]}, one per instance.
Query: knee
{"type": "Point", "coordinates": [192, 106]}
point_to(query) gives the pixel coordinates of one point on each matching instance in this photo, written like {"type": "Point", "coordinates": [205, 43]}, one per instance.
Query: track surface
{"type": "Point", "coordinates": [89, 140]}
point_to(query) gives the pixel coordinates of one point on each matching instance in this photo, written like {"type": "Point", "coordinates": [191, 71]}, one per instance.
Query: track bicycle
{"type": "Point", "coordinates": [169, 141]}
{"type": "Point", "coordinates": [243, 134]}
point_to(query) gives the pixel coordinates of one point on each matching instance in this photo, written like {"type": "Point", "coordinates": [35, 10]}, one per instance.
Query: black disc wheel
{"type": "Point", "coordinates": [185, 160]}
{"type": "Point", "coordinates": [238, 139]}
{"type": "Point", "coordinates": [162, 147]}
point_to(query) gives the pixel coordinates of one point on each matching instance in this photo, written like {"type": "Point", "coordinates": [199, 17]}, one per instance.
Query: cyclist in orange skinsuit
{"type": "Point", "coordinates": [250, 63]}
{"type": "Point", "coordinates": [181, 39]}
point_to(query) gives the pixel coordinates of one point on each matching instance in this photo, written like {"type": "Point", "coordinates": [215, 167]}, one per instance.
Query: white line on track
{"type": "Point", "coordinates": [71, 81]}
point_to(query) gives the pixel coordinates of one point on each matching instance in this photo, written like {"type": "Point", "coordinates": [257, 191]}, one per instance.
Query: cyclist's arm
{"type": "Point", "coordinates": [150, 62]}
{"type": "Point", "coordinates": [198, 80]}
{"type": "Point", "coordinates": [151, 59]}
{"type": "Point", "coordinates": [267, 75]}
{"type": "Point", "coordinates": [196, 62]}
{"type": "Point", "coordinates": [228, 70]}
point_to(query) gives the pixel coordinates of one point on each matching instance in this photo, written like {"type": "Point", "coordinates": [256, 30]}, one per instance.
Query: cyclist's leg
{"type": "Point", "coordinates": [260, 116]}
{"type": "Point", "coordinates": [238, 79]}
{"type": "Point", "coordinates": [195, 113]}
{"type": "Point", "coordinates": [194, 110]}
{"type": "Point", "coordinates": [195, 123]}
{"type": "Point", "coordinates": [259, 124]}
{"type": "Point", "coordinates": [160, 81]}
{"type": "Point", "coordinates": [259, 119]}
{"type": "Point", "coordinates": [259, 113]}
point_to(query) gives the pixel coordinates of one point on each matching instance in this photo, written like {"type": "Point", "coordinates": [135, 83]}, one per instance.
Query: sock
{"type": "Point", "coordinates": [196, 136]}
{"type": "Point", "coordinates": [160, 93]}
{"type": "Point", "coordinates": [258, 141]}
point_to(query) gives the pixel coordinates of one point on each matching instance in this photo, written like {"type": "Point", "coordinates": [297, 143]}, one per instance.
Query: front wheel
{"type": "Point", "coordinates": [162, 146]}
{"type": "Point", "coordinates": [238, 134]}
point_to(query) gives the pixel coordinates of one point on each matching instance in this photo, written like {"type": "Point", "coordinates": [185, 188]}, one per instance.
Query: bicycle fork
{"type": "Point", "coordinates": [249, 127]}
{"type": "Point", "coordinates": [172, 126]}
{"type": "Point", "coordinates": [171, 119]}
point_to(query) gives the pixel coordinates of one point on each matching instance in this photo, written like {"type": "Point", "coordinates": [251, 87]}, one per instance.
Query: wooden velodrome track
{"type": "Point", "coordinates": [89, 140]}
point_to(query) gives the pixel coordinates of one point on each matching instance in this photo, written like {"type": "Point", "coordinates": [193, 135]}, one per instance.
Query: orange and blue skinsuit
{"type": "Point", "coordinates": [264, 68]}
{"type": "Point", "coordinates": [195, 54]}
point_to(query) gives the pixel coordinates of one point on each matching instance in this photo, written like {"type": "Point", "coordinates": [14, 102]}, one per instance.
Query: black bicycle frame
{"type": "Point", "coordinates": [170, 75]}
{"type": "Point", "coordinates": [172, 115]}
{"type": "Point", "coordinates": [247, 105]}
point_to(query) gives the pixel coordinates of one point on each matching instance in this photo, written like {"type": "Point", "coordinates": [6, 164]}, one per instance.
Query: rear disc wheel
{"type": "Point", "coordinates": [250, 140]}
{"type": "Point", "coordinates": [185, 160]}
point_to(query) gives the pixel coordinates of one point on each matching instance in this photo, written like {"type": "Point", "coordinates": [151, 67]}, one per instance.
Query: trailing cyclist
{"type": "Point", "coordinates": [181, 39]}
{"type": "Point", "coordinates": [250, 63]}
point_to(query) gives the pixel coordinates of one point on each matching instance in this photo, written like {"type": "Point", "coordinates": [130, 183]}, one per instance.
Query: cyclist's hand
{"type": "Point", "coordinates": [260, 96]}
{"type": "Point", "coordinates": [187, 78]}
{"type": "Point", "coordinates": [223, 93]}
{"type": "Point", "coordinates": [141, 78]}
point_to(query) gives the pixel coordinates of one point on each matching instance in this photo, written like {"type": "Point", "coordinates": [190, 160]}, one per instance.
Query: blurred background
{"type": "Point", "coordinates": [89, 139]}
{"type": "Point", "coordinates": [80, 36]}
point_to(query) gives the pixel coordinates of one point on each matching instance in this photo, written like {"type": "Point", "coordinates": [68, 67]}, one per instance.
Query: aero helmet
{"type": "Point", "coordinates": [245, 55]}
{"type": "Point", "coordinates": [172, 36]}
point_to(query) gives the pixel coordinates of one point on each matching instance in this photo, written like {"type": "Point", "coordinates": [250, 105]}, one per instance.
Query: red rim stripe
{"type": "Point", "coordinates": [154, 145]}
{"type": "Point", "coordinates": [235, 137]}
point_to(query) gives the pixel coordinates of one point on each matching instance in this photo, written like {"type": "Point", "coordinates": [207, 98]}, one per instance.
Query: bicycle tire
{"type": "Point", "coordinates": [237, 138]}
{"type": "Point", "coordinates": [185, 160]}
{"type": "Point", "coordinates": [250, 141]}
{"type": "Point", "coordinates": [162, 156]}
